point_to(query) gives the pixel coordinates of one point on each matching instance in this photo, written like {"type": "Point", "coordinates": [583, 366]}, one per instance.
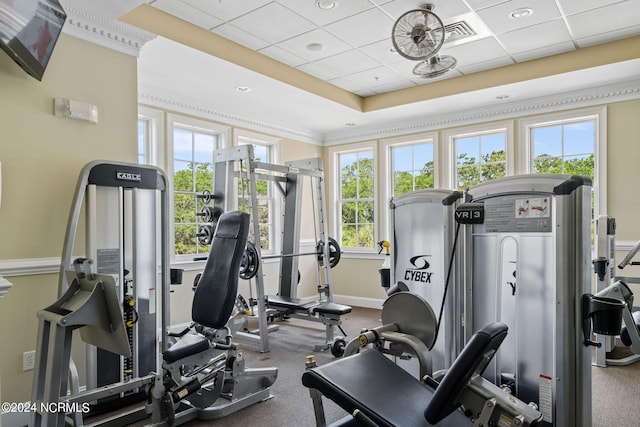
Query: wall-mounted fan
{"type": "Point", "coordinates": [418, 34]}
{"type": "Point", "coordinates": [435, 66]}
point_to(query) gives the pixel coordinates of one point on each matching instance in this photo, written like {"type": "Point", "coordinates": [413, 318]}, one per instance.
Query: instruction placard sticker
{"type": "Point", "coordinates": [545, 398]}
{"type": "Point", "coordinates": [537, 207]}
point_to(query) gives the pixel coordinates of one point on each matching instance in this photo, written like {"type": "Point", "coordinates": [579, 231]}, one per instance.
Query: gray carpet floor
{"type": "Point", "coordinates": [615, 389]}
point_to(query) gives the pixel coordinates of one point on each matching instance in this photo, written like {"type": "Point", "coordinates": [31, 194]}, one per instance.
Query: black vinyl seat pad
{"type": "Point", "coordinates": [189, 344]}
{"type": "Point", "coordinates": [383, 391]}
{"type": "Point", "coordinates": [277, 301]}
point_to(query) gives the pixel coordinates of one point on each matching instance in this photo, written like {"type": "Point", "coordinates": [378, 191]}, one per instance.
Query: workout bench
{"type": "Point", "coordinates": [377, 392]}
{"type": "Point", "coordinates": [328, 313]}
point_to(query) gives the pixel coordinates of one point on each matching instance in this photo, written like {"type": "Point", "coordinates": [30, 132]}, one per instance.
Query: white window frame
{"type": "Point", "coordinates": [599, 114]}
{"type": "Point", "coordinates": [449, 152]}
{"type": "Point", "coordinates": [387, 146]}
{"type": "Point", "coordinates": [154, 143]}
{"type": "Point", "coordinates": [195, 124]}
{"type": "Point", "coordinates": [334, 172]}
{"type": "Point", "coordinates": [273, 144]}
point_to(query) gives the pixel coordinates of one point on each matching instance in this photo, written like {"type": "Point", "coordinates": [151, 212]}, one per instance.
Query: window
{"type": "Point", "coordinates": [150, 125]}
{"type": "Point", "coordinates": [480, 158]}
{"type": "Point", "coordinates": [564, 148]}
{"type": "Point", "coordinates": [356, 207]}
{"type": "Point", "coordinates": [193, 144]}
{"type": "Point", "coordinates": [571, 143]}
{"type": "Point", "coordinates": [143, 140]}
{"type": "Point", "coordinates": [264, 150]}
{"type": "Point", "coordinates": [412, 167]}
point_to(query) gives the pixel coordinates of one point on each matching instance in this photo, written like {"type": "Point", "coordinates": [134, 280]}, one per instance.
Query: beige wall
{"type": "Point", "coordinates": [41, 158]}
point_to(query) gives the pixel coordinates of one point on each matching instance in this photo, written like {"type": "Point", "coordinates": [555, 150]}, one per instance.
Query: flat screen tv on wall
{"type": "Point", "coordinates": [29, 30]}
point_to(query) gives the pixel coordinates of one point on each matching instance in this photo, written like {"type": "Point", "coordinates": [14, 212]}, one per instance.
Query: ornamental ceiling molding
{"type": "Point", "coordinates": [109, 33]}
{"type": "Point", "coordinates": [568, 101]}
{"type": "Point", "coordinates": [228, 119]}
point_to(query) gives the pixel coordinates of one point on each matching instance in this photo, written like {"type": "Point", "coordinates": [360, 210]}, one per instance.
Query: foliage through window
{"type": "Point", "coordinates": [413, 167]}
{"type": "Point", "coordinates": [192, 174]}
{"type": "Point", "coordinates": [566, 148]}
{"type": "Point", "coordinates": [356, 199]}
{"type": "Point", "coordinates": [480, 158]}
{"type": "Point", "coordinates": [261, 153]}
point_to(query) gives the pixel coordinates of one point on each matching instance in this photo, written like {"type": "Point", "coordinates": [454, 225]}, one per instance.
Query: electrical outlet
{"type": "Point", "coordinates": [28, 360]}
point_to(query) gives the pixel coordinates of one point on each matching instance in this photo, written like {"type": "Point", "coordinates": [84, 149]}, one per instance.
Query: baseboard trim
{"type": "Point", "coordinates": [363, 302]}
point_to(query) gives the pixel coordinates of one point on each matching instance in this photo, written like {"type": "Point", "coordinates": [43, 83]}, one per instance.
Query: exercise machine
{"type": "Point", "coordinates": [204, 370]}
{"type": "Point", "coordinates": [376, 392]}
{"type": "Point", "coordinates": [608, 285]}
{"type": "Point", "coordinates": [528, 258]}
{"type": "Point", "coordinates": [426, 260]}
{"type": "Point", "coordinates": [131, 199]}
{"type": "Point", "coordinates": [234, 168]}
{"type": "Point", "coordinates": [125, 213]}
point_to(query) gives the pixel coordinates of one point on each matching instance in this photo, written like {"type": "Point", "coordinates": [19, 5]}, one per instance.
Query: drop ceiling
{"type": "Point", "coordinates": [317, 70]}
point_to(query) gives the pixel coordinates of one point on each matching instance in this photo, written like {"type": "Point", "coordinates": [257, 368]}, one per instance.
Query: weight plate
{"type": "Point", "coordinates": [250, 262]}
{"type": "Point", "coordinates": [334, 252]}
{"type": "Point", "coordinates": [412, 314]}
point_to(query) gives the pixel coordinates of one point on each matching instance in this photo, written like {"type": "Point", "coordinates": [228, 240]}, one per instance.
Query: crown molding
{"type": "Point", "coordinates": [571, 100]}
{"type": "Point", "coordinates": [183, 107]}
{"type": "Point", "coordinates": [105, 32]}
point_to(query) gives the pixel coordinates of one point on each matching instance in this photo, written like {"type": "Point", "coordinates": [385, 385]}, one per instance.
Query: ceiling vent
{"type": "Point", "coordinates": [457, 31]}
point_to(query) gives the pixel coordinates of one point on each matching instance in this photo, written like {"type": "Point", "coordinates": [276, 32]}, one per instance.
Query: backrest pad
{"type": "Point", "coordinates": [217, 289]}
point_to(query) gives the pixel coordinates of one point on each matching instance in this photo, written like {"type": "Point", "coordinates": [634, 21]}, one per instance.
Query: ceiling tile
{"type": "Point", "coordinates": [298, 45]}
{"type": "Point", "coordinates": [444, 9]}
{"type": "Point", "coordinates": [498, 20]}
{"type": "Point", "coordinates": [484, 65]}
{"type": "Point", "coordinates": [273, 23]}
{"type": "Point", "coordinates": [403, 84]}
{"type": "Point", "coordinates": [225, 10]}
{"type": "Point", "coordinates": [362, 29]}
{"type": "Point", "coordinates": [481, 4]}
{"type": "Point", "coordinates": [535, 37]}
{"type": "Point", "coordinates": [313, 13]}
{"type": "Point", "coordinates": [350, 84]}
{"type": "Point", "coordinates": [349, 62]}
{"type": "Point", "coordinates": [476, 51]}
{"type": "Point", "coordinates": [188, 13]}
{"type": "Point", "coordinates": [317, 71]}
{"type": "Point", "coordinates": [608, 36]}
{"type": "Point", "coordinates": [279, 54]}
{"type": "Point", "coordinates": [605, 19]}
{"type": "Point", "coordinates": [382, 51]}
{"type": "Point", "coordinates": [569, 7]}
{"type": "Point", "coordinates": [231, 32]}
{"type": "Point", "coordinates": [544, 51]}
{"type": "Point", "coordinates": [377, 77]}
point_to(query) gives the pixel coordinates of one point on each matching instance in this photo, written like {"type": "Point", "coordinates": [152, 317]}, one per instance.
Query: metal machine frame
{"type": "Point", "coordinates": [423, 258]}
{"type": "Point", "coordinates": [237, 163]}
{"type": "Point", "coordinates": [131, 203]}
{"type": "Point", "coordinates": [539, 226]}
